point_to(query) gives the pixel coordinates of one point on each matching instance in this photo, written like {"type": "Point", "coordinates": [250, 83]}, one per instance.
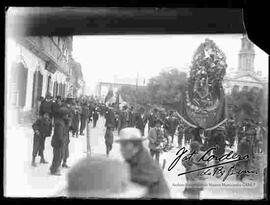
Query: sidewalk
{"type": "Point", "coordinates": [23, 180]}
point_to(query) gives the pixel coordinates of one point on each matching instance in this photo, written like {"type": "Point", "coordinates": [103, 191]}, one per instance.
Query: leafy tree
{"type": "Point", "coordinates": [166, 89]}
{"type": "Point", "coordinates": [134, 95]}
{"type": "Point", "coordinates": [246, 104]}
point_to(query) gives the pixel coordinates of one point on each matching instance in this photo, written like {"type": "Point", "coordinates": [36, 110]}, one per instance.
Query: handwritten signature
{"type": "Point", "coordinates": [219, 169]}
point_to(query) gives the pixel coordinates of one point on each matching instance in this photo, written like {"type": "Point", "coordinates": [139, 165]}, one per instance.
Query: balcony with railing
{"type": "Point", "coordinates": [49, 51]}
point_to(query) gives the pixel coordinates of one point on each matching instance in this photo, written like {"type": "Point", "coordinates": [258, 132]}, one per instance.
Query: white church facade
{"type": "Point", "coordinates": [245, 76]}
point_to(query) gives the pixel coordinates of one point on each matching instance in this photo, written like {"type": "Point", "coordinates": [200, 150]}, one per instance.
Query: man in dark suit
{"type": "Point", "coordinates": [46, 106]}
{"type": "Point", "coordinates": [140, 120]}
{"type": "Point", "coordinates": [58, 141]}
{"type": "Point", "coordinates": [110, 125]}
{"type": "Point", "coordinates": [123, 121]}
{"type": "Point", "coordinates": [84, 117]}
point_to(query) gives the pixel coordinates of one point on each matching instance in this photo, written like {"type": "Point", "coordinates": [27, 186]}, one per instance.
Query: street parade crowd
{"type": "Point", "coordinates": [62, 118]}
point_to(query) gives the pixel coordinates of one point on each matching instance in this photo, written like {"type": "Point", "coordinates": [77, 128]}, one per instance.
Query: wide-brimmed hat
{"type": "Point", "coordinates": [130, 134]}
{"type": "Point", "coordinates": [101, 177]}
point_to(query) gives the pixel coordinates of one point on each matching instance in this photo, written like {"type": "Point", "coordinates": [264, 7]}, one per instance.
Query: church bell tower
{"type": "Point", "coordinates": [246, 55]}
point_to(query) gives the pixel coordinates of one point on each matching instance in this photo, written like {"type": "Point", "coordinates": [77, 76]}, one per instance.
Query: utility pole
{"type": "Point", "coordinates": [88, 147]}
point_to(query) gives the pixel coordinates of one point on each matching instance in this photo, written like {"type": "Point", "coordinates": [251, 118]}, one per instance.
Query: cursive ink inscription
{"type": "Point", "coordinates": [233, 170]}
{"type": "Point", "coordinates": [230, 157]}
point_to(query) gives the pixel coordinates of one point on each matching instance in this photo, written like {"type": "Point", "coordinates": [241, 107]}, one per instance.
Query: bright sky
{"type": "Point", "coordinates": [103, 57]}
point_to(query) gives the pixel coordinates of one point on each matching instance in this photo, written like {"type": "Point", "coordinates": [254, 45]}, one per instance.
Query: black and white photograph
{"type": "Point", "coordinates": [134, 115]}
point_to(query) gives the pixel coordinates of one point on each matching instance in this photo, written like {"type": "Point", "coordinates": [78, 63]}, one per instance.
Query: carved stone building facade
{"type": "Point", "coordinates": [36, 66]}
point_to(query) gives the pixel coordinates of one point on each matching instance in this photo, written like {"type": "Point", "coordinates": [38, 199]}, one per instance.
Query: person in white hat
{"type": "Point", "coordinates": [101, 177]}
{"type": "Point", "coordinates": [144, 170]}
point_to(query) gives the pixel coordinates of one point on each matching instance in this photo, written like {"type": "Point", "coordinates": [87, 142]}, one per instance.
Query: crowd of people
{"type": "Point", "coordinates": [61, 118]}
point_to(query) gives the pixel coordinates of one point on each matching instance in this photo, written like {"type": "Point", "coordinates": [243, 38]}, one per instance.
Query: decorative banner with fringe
{"type": "Point", "coordinates": [203, 103]}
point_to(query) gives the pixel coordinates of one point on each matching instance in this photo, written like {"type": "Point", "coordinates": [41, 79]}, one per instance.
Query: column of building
{"type": "Point", "coordinates": [35, 66]}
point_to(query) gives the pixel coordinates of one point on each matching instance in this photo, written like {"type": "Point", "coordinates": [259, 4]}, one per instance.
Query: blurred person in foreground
{"type": "Point", "coordinates": [144, 170]}
{"type": "Point", "coordinates": [101, 177]}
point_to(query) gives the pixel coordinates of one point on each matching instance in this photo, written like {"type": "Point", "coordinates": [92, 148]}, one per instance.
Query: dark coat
{"type": "Point", "coordinates": [170, 125]}
{"type": "Point", "coordinates": [85, 111]}
{"type": "Point", "coordinates": [55, 110]}
{"type": "Point", "coordinates": [145, 171]}
{"type": "Point", "coordinates": [109, 136]}
{"type": "Point", "coordinates": [218, 139]}
{"type": "Point", "coordinates": [75, 118]}
{"type": "Point", "coordinates": [123, 121]}
{"type": "Point", "coordinates": [46, 107]}
{"type": "Point", "coordinates": [44, 126]}
{"type": "Point", "coordinates": [66, 130]}
{"type": "Point", "coordinates": [131, 119]}
{"type": "Point", "coordinates": [58, 135]}
{"type": "Point", "coordinates": [152, 119]}
{"type": "Point", "coordinates": [110, 119]}
{"type": "Point", "coordinates": [95, 114]}
{"type": "Point", "coordinates": [140, 122]}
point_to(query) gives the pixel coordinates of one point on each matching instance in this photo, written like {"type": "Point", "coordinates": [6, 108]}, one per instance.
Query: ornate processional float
{"type": "Point", "coordinates": [203, 103]}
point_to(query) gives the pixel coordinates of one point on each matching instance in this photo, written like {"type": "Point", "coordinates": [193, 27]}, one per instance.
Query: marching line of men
{"type": "Point", "coordinates": [58, 118]}
{"type": "Point", "coordinates": [163, 127]}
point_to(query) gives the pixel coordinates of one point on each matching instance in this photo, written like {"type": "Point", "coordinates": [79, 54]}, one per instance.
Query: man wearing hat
{"type": "Point", "coordinates": [56, 107]}
{"type": "Point", "coordinates": [58, 141]}
{"type": "Point", "coordinates": [144, 170]}
{"type": "Point", "coordinates": [152, 119]}
{"type": "Point", "coordinates": [131, 117]}
{"type": "Point", "coordinates": [123, 119]}
{"type": "Point", "coordinates": [46, 106]}
{"type": "Point", "coordinates": [140, 120]}
{"type": "Point", "coordinates": [101, 177]}
{"type": "Point", "coordinates": [76, 112]}
{"type": "Point", "coordinates": [170, 125]}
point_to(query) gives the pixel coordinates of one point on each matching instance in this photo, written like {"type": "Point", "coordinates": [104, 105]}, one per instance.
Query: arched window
{"type": "Point", "coordinates": [37, 87]}
{"type": "Point", "coordinates": [20, 73]}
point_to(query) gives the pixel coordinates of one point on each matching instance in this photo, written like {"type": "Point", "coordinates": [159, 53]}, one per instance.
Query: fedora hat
{"type": "Point", "coordinates": [130, 134]}
{"type": "Point", "coordinates": [101, 177]}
